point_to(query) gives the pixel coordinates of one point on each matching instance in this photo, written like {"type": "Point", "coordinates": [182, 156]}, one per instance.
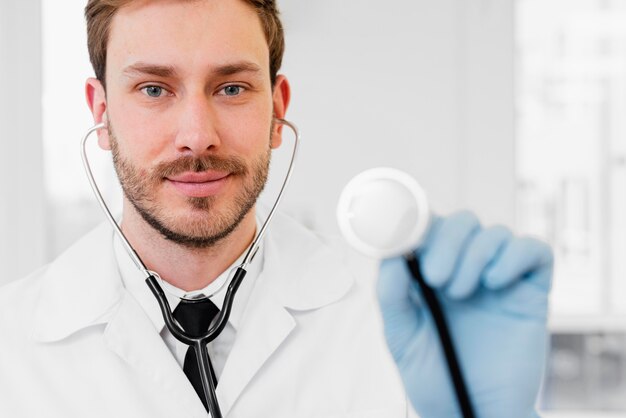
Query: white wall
{"type": "Point", "coordinates": [22, 228]}
{"type": "Point", "coordinates": [487, 116]}
{"type": "Point", "coordinates": [425, 86]}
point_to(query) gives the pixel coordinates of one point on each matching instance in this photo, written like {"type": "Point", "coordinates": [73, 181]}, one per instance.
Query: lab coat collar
{"type": "Point", "coordinates": [298, 274]}
{"type": "Point", "coordinates": [79, 289]}
{"type": "Point", "coordinates": [82, 287]}
{"type": "Point", "coordinates": [308, 273]}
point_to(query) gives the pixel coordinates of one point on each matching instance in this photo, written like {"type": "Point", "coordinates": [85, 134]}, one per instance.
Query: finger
{"type": "Point", "coordinates": [520, 258]}
{"type": "Point", "coordinates": [444, 246]}
{"type": "Point", "coordinates": [398, 307]}
{"type": "Point", "coordinates": [480, 252]}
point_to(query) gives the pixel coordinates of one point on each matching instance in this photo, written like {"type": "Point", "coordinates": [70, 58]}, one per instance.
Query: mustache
{"type": "Point", "coordinates": [232, 165]}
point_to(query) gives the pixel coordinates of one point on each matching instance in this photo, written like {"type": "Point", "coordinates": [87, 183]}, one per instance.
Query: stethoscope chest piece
{"type": "Point", "coordinates": [383, 212]}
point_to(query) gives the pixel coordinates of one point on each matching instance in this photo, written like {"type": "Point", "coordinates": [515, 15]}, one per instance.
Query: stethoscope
{"type": "Point", "coordinates": [153, 280]}
{"type": "Point", "coordinates": [383, 213]}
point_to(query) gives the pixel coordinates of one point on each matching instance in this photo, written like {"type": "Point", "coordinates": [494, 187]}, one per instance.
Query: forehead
{"type": "Point", "coordinates": [187, 34]}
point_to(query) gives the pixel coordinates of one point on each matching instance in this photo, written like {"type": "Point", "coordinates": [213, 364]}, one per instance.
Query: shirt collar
{"type": "Point", "coordinates": [134, 282]}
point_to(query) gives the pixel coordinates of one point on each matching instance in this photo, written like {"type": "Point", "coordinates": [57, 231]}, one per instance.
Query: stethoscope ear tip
{"type": "Point", "coordinates": [98, 126]}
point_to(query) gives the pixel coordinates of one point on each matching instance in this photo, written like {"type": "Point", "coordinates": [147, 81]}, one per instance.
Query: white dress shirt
{"type": "Point", "coordinates": [219, 349]}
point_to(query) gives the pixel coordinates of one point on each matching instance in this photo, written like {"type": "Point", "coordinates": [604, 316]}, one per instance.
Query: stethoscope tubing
{"type": "Point", "coordinates": [434, 306]}
{"type": "Point", "coordinates": [208, 378]}
{"type": "Point", "coordinates": [199, 344]}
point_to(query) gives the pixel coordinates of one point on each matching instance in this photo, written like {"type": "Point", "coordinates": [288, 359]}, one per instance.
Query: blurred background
{"type": "Point", "coordinates": [515, 109]}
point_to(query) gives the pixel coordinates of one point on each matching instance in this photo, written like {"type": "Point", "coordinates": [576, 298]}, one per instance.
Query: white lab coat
{"type": "Point", "coordinates": [75, 343]}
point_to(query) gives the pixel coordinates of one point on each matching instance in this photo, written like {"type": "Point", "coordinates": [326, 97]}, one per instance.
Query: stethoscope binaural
{"type": "Point", "coordinates": [154, 281]}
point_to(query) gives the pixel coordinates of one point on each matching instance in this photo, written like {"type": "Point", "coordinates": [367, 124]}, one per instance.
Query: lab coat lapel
{"type": "Point", "coordinates": [297, 275]}
{"type": "Point", "coordinates": [267, 325]}
{"type": "Point", "coordinates": [133, 337]}
{"type": "Point", "coordinates": [83, 288]}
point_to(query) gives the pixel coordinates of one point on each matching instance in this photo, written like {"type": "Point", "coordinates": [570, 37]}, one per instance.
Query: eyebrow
{"type": "Point", "coordinates": [141, 68]}
{"type": "Point", "coordinates": [236, 68]}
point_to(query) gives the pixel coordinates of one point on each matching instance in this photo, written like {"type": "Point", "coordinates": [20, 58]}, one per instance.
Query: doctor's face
{"type": "Point", "coordinates": [190, 106]}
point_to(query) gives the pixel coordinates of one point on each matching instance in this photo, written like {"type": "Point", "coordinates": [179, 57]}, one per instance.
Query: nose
{"type": "Point", "coordinates": [197, 126]}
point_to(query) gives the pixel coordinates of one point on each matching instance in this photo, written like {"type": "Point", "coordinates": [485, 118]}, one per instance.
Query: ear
{"type": "Point", "coordinates": [281, 97]}
{"type": "Point", "coordinates": [97, 102]}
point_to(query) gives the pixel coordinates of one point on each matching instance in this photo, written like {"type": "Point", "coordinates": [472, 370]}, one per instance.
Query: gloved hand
{"type": "Point", "coordinates": [493, 288]}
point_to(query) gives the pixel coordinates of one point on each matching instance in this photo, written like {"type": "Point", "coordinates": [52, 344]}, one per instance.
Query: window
{"type": "Point", "coordinates": [571, 162]}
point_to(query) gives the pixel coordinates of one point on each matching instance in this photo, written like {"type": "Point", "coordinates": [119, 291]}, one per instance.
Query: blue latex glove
{"type": "Point", "coordinates": [493, 288]}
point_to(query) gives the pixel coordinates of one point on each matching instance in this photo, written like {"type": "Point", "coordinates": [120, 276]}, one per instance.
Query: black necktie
{"type": "Point", "coordinates": [195, 318]}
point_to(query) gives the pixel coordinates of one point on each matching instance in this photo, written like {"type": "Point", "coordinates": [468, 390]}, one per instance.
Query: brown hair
{"type": "Point", "coordinates": [99, 14]}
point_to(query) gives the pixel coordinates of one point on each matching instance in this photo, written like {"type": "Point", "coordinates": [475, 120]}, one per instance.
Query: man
{"type": "Point", "coordinates": [189, 93]}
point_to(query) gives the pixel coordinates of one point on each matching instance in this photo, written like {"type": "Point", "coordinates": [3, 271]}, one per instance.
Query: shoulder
{"type": "Point", "coordinates": [304, 240]}
{"type": "Point", "coordinates": [18, 300]}
{"type": "Point", "coordinates": [90, 242]}
{"type": "Point", "coordinates": [22, 288]}
{"type": "Point", "coordinates": [311, 269]}
{"type": "Point", "coordinates": [321, 266]}
{"type": "Point", "coordinates": [335, 250]}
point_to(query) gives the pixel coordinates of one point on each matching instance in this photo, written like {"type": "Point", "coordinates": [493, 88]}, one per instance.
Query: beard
{"type": "Point", "coordinates": [207, 225]}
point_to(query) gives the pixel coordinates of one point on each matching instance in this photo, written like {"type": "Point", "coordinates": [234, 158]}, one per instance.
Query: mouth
{"type": "Point", "coordinates": [203, 184]}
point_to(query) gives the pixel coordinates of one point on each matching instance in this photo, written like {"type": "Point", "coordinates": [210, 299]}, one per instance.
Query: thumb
{"type": "Point", "coordinates": [399, 304]}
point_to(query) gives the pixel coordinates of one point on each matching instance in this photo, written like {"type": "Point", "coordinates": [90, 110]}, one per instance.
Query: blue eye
{"type": "Point", "coordinates": [232, 90]}
{"type": "Point", "coordinates": [153, 91]}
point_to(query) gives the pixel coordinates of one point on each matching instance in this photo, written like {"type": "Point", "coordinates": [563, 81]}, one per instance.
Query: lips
{"type": "Point", "coordinates": [203, 184]}
{"type": "Point", "coordinates": [202, 177]}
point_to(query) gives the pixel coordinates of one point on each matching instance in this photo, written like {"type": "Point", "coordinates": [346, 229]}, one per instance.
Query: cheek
{"type": "Point", "coordinates": [141, 135]}
{"type": "Point", "coordinates": [246, 132]}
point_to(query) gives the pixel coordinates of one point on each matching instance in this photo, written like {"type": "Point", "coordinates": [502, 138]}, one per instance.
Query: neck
{"type": "Point", "coordinates": [183, 267]}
